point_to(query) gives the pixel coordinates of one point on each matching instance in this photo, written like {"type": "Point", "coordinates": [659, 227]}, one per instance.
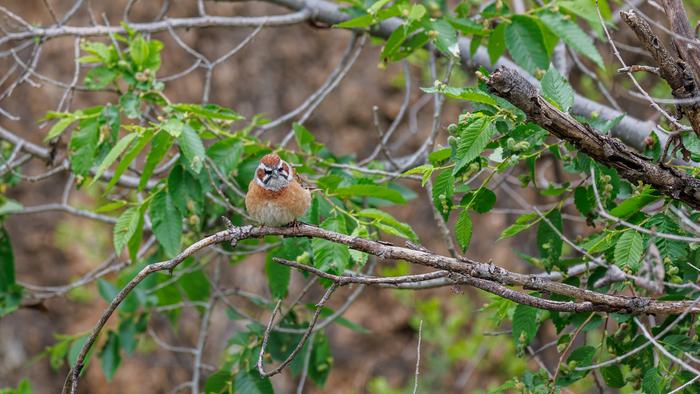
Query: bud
{"type": "Point", "coordinates": [452, 128]}
{"type": "Point", "coordinates": [141, 77]}
{"type": "Point", "coordinates": [405, 13]}
{"type": "Point", "coordinates": [433, 34]}
{"type": "Point", "coordinates": [194, 220]}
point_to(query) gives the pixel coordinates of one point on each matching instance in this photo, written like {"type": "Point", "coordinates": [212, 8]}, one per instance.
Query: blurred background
{"type": "Point", "coordinates": [462, 351]}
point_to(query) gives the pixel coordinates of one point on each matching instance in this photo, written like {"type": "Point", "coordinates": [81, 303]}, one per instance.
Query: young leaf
{"type": "Point", "coordinates": [474, 138]}
{"type": "Point", "coordinates": [226, 154]}
{"type": "Point", "coordinates": [443, 190]}
{"type": "Point", "coordinates": [524, 325]}
{"type": "Point", "coordinates": [125, 228]}
{"type": "Point", "coordinates": [113, 155]}
{"type": "Point", "coordinates": [365, 190]}
{"type": "Point", "coordinates": [573, 36]}
{"type": "Point", "coordinates": [525, 44]}
{"type": "Point", "coordinates": [556, 88]}
{"type": "Point", "coordinates": [129, 156]}
{"type": "Point", "coordinates": [403, 229]}
{"type": "Point", "coordinates": [83, 146]}
{"type": "Point", "coordinates": [192, 148]}
{"type": "Point", "coordinates": [463, 229]}
{"type": "Point", "coordinates": [652, 382]}
{"type": "Point", "coordinates": [629, 250]}
{"type": "Point", "coordinates": [58, 128]}
{"type": "Point", "coordinates": [330, 256]}
{"type": "Point", "coordinates": [167, 223]}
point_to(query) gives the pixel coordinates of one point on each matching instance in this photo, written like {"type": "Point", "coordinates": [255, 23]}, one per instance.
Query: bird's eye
{"type": "Point", "coordinates": [268, 172]}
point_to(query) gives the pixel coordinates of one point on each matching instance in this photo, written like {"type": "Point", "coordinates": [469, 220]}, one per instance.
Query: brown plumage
{"type": "Point", "coordinates": [275, 198]}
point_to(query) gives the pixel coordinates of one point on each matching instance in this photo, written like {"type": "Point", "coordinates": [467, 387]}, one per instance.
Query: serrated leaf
{"type": "Point", "coordinates": [359, 22]}
{"type": "Point", "coordinates": [250, 382]}
{"type": "Point", "coordinates": [634, 204]}
{"type": "Point", "coordinates": [192, 148]}
{"type": "Point", "coordinates": [278, 276]}
{"type": "Point", "coordinates": [109, 356]}
{"type": "Point", "coordinates": [673, 249]}
{"type": "Point", "coordinates": [573, 36]}
{"type": "Point", "coordinates": [173, 126]}
{"type": "Point", "coordinates": [113, 154]}
{"type": "Point", "coordinates": [129, 156]}
{"type": "Point", "coordinates": [167, 223]}
{"type": "Point", "coordinates": [83, 146]}
{"type": "Point", "coordinates": [226, 154]}
{"type": "Point", "coordinates": [525, 325]}
{"type": "Point", "coordinates": [525, 44]}
{"type": "Point", "coordinates": [613, 376]}
{"type": "Point", "coordinates": [446, 38]}
{"type": "Point", "coordinates": [330, 256]}
{"type": "Point", "coordinates": [159, 148]}
{"type": "Point", "coordinates": [463, 229]}
{"type": "Point", "coordinates": [481, 200]}
{"type": "Point", "coordinates": [629, 250]}
{"type": "Point", "coordinates": [366, 190]}
{"type": "Point", "coordinates": [556, 88]}
{"type": "Point", "coordinates": [652, 382]}
{"type": "Point", "coordinates": [360, 258]}
{"type": "Point", "coordinates": [497, 43]}
{"type": "Point", "coordinates": [443, 190]}
{"type": "Point", "coordinates": [138, 49]}
{"type": "Point", "coordinates": [125, 228]}
{"type": "Point", "coordinates": [402, 229]}
{"type": "Point", "coordinates": [473, 140]}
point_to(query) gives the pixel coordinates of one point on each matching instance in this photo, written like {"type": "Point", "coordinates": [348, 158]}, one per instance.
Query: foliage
{"type": "Point", "coordinates": [195, 161]}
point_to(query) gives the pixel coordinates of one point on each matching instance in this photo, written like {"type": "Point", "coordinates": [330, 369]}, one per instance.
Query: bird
{"type": "Point", "coordinates": [275, 197]}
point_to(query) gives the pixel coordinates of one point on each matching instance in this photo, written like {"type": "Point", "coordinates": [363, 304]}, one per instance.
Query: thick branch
{"type": "Point", "coordinates": [684, 39]}
{"type": "Point", "coordinates": [607, 150]}
{"type": "Point", "coordinates": [675, 71]}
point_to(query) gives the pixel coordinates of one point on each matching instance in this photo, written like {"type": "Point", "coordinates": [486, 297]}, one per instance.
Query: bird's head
{"type": "Point", "coordinates": [273, 173]}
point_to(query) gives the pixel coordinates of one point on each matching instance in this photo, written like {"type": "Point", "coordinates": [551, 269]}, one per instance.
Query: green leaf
{"type": "Point", "coordinates": [467, 94]}
{"type": "Point", "coordinates": [107, 290]}
{"type": "Point", "coordinates": [226, 154]}
{"type": "Point", "coordinates": [629, 250]}
{"type": "Point", "coordinates": [138, 49]}
{"type": "Point", "coordinates": [167, 223]}
{"type": "Point", "coordinates": [173, 126]}
{"type": "Point", "coordinates": [613, 376]}
{"type": "Point", "coordinates": [473, 140]}
{"type": "Point", "coordinates": [125, 228]}
{"type": "Point", "coordinates": [497, 43]}
{"type": "Point", "coordinates": [376, 191]}
{"type": "Point", "coordinates": [330, 256]}
{"type": "Point", "coordinates": [403, 229]}
{"type": "Point", "coordinates": [573, 36]}
{"type": "Point", "coordinates": [218, 382]}
{"type": "Point", "coordinates": [549, 242]}
{"type": "Point", "coordinates": [634, 204]}
{"type": "Point", "coordinates": [652, 382]}
{"type": "Point", "coordinates": [523, 222]}
{"type": "Point", "coordinates": [196, 285]}
{"type": "Point", "coordinates": [446, 40]}
{"type": "Point", "coordinates": [74, 351]}
{"type": "Point", "coordinates": [99, 77]}
{"type": "Point", "coordinates": [130, 104]}
{"type": "Point", "coordinates": [83, 146]}
{"type": "Point", "coordinates": [443, 190]}
{"type": "Point", "coordinates": [9, 207]}
{"type": "Point", "coordinates": [209, 111]}
{"type": "Point", "coordinates": [556, 88]}
{"type": "Point", "coordinates": [58, 128]}
{"type": "Point", "coordinates": [250, 382]}
{"type": "Point", "coordinates": [321, 360]}
{"type": "Point", "coordinates": [525, 44]}
{"type": "Point", "coordinates": [359, 22]}
{"type": "Point", "coordinates": [675, 250]}
{"type": "Point", "coordinates": [129, 156]}
{"type": "Point", "coordinates": [463, 229]}
{"type": "Point", "coordinates": [378, 5]}
{"type": "Point", "coordinates": [109, 356]}
{"type": "Point", "coordinates": [360, 258]}
{"type": "Point", "coordinates": [481, 200]}
{"type": "Point", "coordinates": [159, 148]}
{"type": "Point", "coordinates": [278, 276]}
{"type": "Point", "coordinates": [583, 200]}
{"type": "Point", "coordinates": [192, 148]}
{"type": "Point", "coordinates": [113, 154]}
{"type": "Point", "coordinates": [525, 325]}
{"type": "Point", "coordinates": [7, 262]}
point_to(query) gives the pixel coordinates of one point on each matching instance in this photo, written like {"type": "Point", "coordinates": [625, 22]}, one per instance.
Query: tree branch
{"type": "Point", "coordinates": [510, 85]}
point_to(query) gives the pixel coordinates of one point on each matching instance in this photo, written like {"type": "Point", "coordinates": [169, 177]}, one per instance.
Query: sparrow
{"type": "Point", "coordinates": [275, 197]}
